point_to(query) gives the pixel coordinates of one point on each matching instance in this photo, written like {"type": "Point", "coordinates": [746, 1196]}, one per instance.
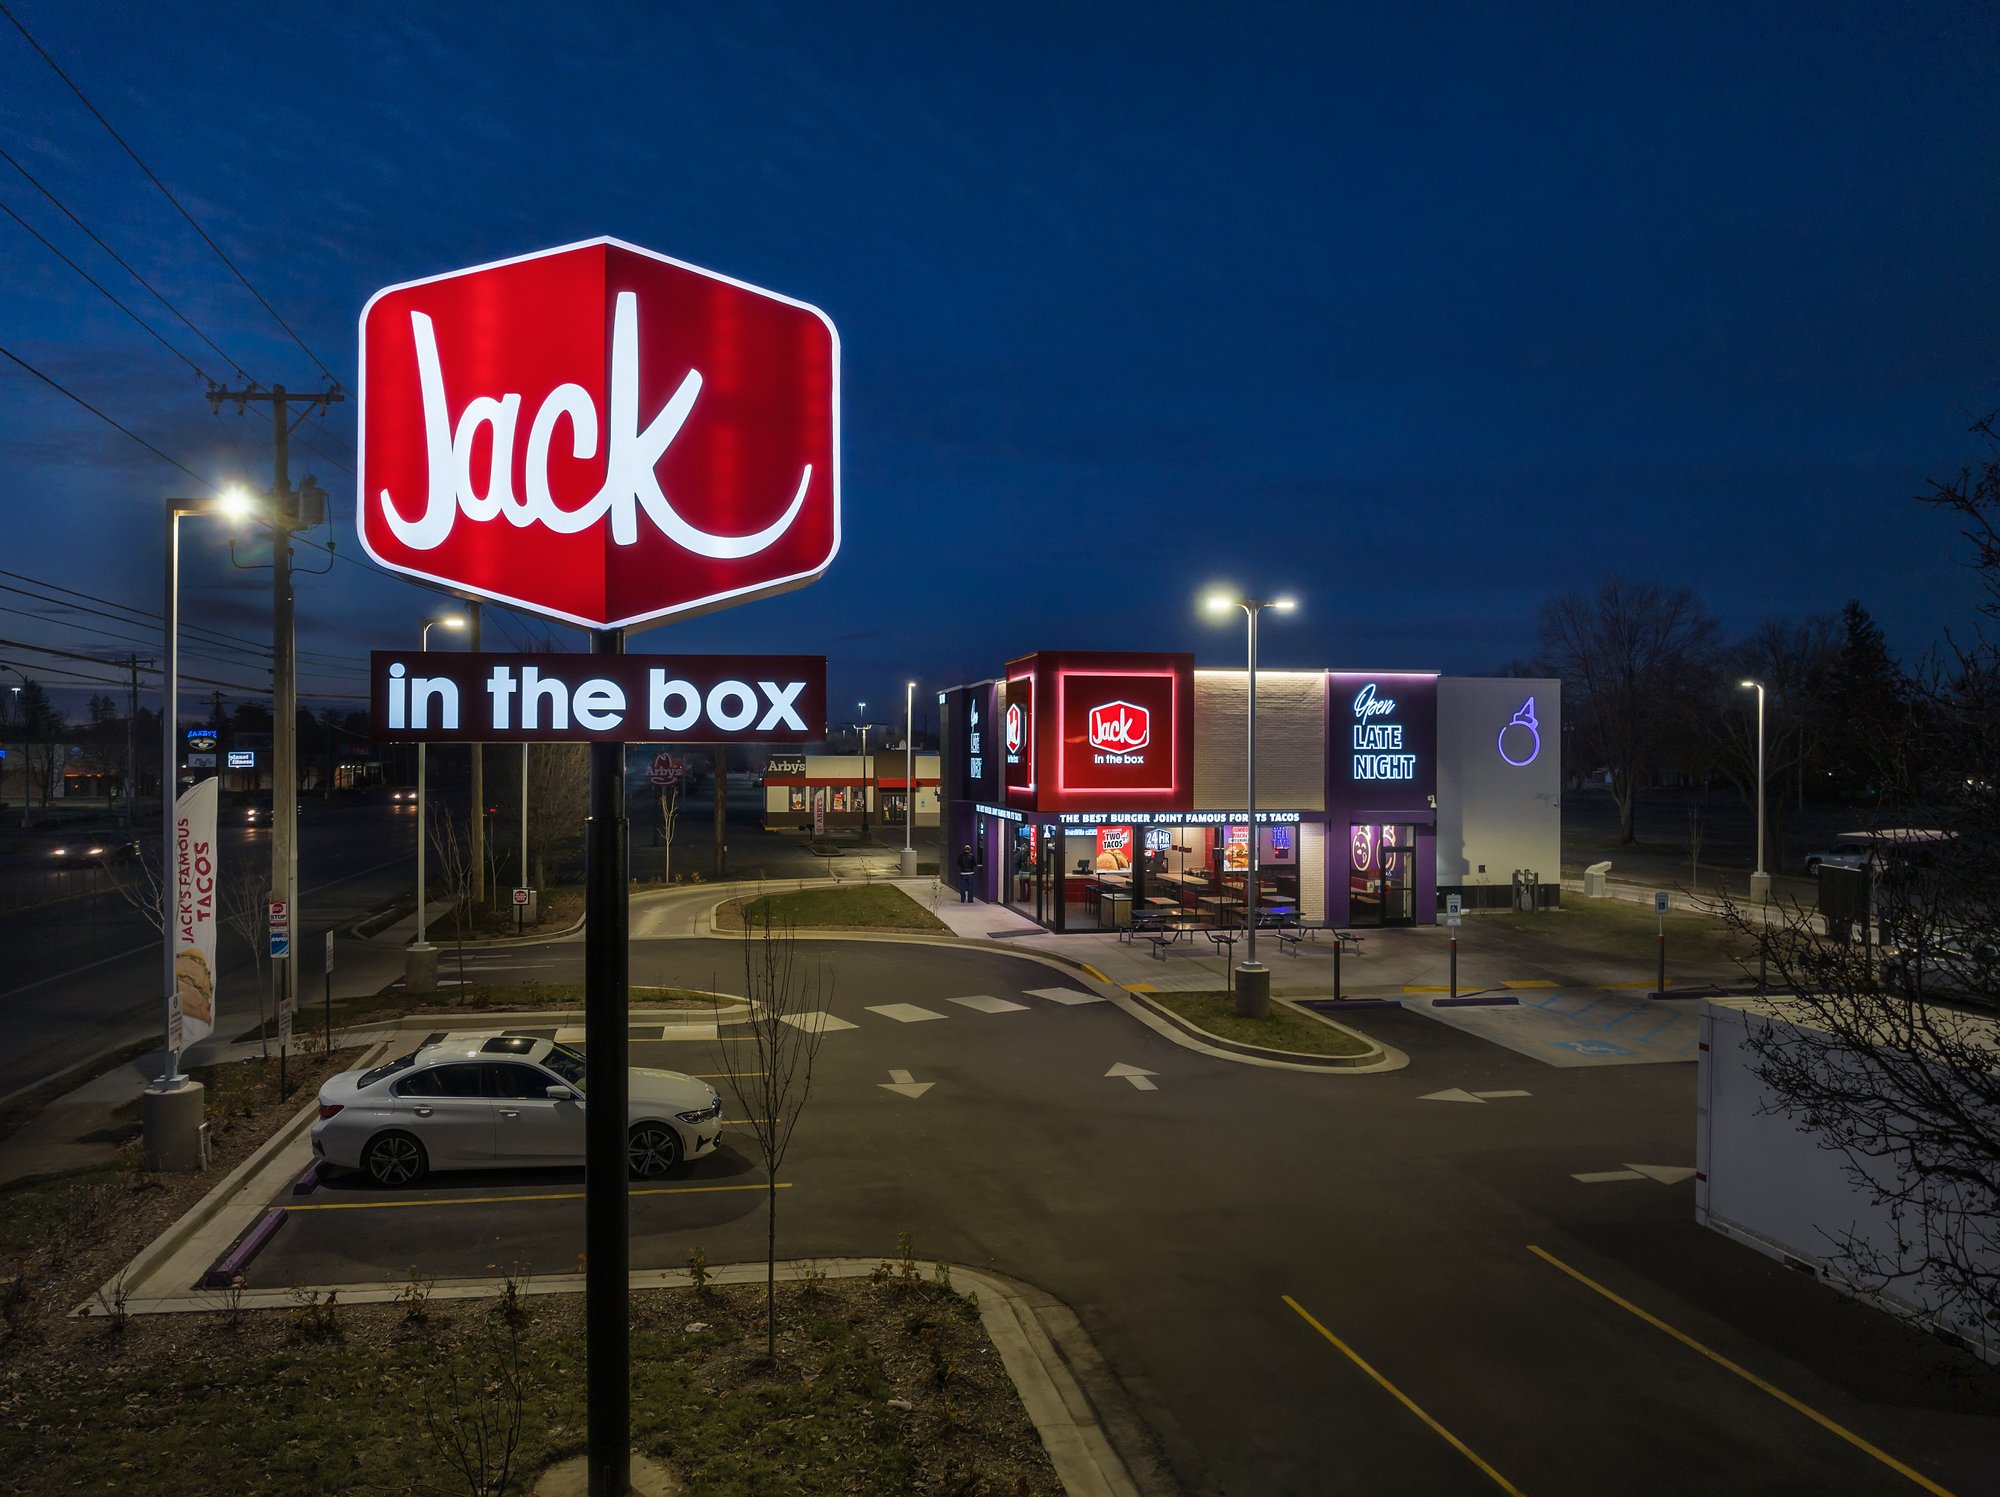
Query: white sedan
{"type": "Point", "coordinates": [507, 1102]}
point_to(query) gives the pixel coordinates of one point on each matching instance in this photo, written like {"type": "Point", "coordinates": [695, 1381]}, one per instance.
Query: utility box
{"type": "Point", "coordinates": [1596, 880]}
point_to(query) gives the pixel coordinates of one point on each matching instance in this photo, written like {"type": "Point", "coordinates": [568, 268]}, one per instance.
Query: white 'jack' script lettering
{"type": "Point", "coordinates": [631, 481]}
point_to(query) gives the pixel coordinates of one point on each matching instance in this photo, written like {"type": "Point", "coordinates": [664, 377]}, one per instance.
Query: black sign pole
{"type": "Point", "coordinates": [606, 1280]}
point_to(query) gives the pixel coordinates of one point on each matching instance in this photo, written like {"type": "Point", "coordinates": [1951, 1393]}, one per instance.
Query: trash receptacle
{"type": "Point", "coordinates": [1594, 879]}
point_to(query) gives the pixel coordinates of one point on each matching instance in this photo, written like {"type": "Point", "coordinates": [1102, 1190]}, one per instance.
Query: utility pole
{"type": "Point", "coordinates": [132, 664]}
{"type": "Point", "coordinates": [478, 829]}
{"type": "Point", "coordinates": [290, 511]}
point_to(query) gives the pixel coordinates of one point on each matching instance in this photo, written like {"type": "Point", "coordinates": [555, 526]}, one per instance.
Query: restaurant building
{"type": "Point", "coordinates": [836, 787]}
{"type": "Point", "coordinates": [1091, 784]}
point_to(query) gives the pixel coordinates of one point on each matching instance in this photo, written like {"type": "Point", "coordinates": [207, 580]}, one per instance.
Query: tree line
{"type": "Point", "coordinates": [1653, 693]}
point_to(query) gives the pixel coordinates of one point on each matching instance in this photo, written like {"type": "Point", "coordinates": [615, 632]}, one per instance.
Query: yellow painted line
{"type": "Point", "coordinates": [1748, 1376]}
{"type": "Point", "coordinates": [1426, 987]}
{"type": "Point", "coordinates": [1531, 982]}
{"type": "Point", "coordinates": [1140, 987]}
{"type": "Point", "coordinates": [1405, 1400]}
{"type": "Point", "coordinates": [568, 1195]}
{"type": "Point", "coordinates": [1642, 983]}
{"type": "Point", "coordinates": [1093, 972]}
{"type": "Point", "coordinates": [742, 1122]}
{"type": "Point", "coordinates": [724, 1075]}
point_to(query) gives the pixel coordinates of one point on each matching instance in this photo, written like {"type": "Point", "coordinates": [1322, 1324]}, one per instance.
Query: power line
{"type": "Point", "coordinates": [151, 670]}
{"type": "Point", "coordinates": [63, 390]}
{"type": "Point", "coordinates": [105, 292]}
{"type": "Point", "coordinates": [148, 620]}
{"type": "Point", "coordinates": [164, 192]}
{"type": "Point", "coordinates": [63, 208]}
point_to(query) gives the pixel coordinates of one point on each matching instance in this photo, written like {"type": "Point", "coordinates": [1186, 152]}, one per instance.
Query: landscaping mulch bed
{"type": "Point", "coordinates": [1283, 1028]}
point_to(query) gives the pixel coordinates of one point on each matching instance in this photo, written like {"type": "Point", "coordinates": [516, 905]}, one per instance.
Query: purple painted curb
{"type": "Point", "coordinates": [1346, 1005]}
{"type": "Point", "coordinates": [247, 1247]}
{"type": "Point", "coordinates": [308, 1182]}
{"type": "Point", "coordinates": [1502, 1001]}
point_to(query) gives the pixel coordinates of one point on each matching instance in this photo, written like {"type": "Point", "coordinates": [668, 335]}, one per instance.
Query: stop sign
{"type": "Point", "coordinates": [599, 433]}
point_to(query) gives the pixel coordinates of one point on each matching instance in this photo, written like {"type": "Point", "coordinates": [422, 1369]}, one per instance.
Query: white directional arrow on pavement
{"type": "Point", "coordinates": [900, 1083]}
{"type": "Point", "coordinates": [1135, 1075]}
{"type": "Point", "coordinates": [1666, 1174]}
{"type": "Point", "coordinates": [1460, 1094]}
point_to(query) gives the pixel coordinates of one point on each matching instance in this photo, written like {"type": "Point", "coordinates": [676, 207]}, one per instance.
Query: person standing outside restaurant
{"type": "Point", "coordinates": [967, 866]}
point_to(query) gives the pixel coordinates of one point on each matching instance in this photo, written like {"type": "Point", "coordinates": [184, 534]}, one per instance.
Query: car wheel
{"type": "Point", "coordinates": [1812, 865]}
{"type": "Point", "coordinates": [653, 1148]}
{"type": "Point", "coordinates": [394, 1159]}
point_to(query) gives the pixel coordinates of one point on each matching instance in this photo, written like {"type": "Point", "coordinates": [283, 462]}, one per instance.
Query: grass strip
{"type": "Point", "coordinates": [1283, 1028]}
{"type": "Point", "coordinates": [859, 907]}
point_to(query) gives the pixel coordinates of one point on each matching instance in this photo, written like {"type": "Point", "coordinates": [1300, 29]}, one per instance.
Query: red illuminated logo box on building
{"type": "Point", "coordinates": [600, 434]}
{"type": "Point", "coordinates": [1109, 732]}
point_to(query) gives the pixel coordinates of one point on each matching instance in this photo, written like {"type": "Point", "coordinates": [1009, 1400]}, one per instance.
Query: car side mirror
{"type": "Point", "coordinates": [561, 1094]}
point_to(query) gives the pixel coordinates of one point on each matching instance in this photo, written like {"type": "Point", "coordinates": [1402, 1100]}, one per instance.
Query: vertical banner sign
{"type": "Point", "coordinates": [819, 812]}
{"type": "Point", "coordinates": [194, 912]}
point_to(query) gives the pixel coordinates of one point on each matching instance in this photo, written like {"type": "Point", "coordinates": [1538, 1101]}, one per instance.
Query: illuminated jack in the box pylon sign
{"type": "Point", "coordinates": [1016, 735]}
{"type": "Point", "coordinates": [600, 434]}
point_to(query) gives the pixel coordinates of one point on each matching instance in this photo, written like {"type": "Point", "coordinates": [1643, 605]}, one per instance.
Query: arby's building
{"type": "Point", "coordinates": [1090, 785]}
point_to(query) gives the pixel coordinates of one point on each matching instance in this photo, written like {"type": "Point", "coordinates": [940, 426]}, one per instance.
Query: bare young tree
{"type": "Point", "coordinates": [242, 903]}
{"type": "Point", "coordinates": [454, 874]}
{"type": "Point", "coordinates": [771, 1075]}
{"type": "Point", "coordinates": [558, 802]}
{"type": "Point", "coordinates": [1695, 830]}
{"type": "Point", "coordinates": [1628, 655]}
{"type": "Point", "coordinates": [474, 1421]}
{"type": "Point", "coordinates": [1886, 1060]}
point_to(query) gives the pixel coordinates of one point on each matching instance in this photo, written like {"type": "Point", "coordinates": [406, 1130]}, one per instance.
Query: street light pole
{"type": "Point", "coordinates": [450, 621]}
{"type": "Point", "coordinates": [171, 1109]}
{"type": "Point", "coordinates": [25, 755]}
{"type": "Point", "coordinates": [910, 779]}
{"type": "Point", "coordinates": [1760, 881]}
{"type": "Point", "coordinates": [863, 708]}
{"type": "Point", "coordinates": [1253, 992]}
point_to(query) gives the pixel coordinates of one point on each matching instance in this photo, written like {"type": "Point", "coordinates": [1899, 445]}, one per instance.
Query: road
{"type": "Point", "coordinates": [1240, 1241]}
{"type": "Point", "coordinates": [81, 976]}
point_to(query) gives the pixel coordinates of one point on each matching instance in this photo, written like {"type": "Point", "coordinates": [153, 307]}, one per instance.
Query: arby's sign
{"type": "Point", "coordinates": [600, 434]}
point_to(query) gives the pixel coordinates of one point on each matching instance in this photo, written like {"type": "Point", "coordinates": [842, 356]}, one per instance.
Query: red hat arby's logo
{"type": "Point", "coordinates": [1120, 728]}
{"type": "Point", "coordinates": [1015, 733]}
{"type": "Point", "coordinates": [600, 434]}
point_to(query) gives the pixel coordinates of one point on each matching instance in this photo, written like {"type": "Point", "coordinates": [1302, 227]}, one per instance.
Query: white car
{"type": "Point", "coordinates": [507, 1102]}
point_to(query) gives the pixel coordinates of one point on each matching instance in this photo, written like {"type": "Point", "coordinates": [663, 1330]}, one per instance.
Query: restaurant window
{"type": "Point", "coordinates": [795, 798]}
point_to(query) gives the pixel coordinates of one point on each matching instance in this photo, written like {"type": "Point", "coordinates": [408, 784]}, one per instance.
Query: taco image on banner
{"type": "Point", "coordinates": [195, 984]}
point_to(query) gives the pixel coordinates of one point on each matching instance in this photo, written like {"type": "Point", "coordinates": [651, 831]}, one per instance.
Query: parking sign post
{"type": "Point", "coordinates": [1660, 910]}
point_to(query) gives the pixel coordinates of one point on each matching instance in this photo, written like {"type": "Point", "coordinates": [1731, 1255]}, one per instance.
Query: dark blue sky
{"type": "Point", "coordinates": [1422, 316]}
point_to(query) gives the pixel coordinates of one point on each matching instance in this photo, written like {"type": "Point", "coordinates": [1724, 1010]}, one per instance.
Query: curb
{"type": "Point", "coordinates": [1302, 1060]}
{"type": "Point", "coordinates": [1040, 1361]}
{"type": "Point", "coordinates": [149, 1259]}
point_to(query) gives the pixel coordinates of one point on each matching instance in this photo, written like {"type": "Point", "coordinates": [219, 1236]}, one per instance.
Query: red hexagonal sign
{"type": "Point", "coordinates": [599, 433]}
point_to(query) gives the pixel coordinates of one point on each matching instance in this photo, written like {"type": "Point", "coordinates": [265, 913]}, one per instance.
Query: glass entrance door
{"type": "Point", "coordinates": [1382, 875]}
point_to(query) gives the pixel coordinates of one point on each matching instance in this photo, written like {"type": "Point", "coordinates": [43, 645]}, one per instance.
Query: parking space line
{"type": "Point", "coordinates": [1748, 1376]}
{"type": "Point", "coordinates": [567, 1195]}
{"type": "Point", "coordinates": [1404, 1399]}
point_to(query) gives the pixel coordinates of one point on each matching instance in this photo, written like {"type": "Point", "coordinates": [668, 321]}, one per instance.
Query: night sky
{"type": "Point", "coordinates": [1421, 316]}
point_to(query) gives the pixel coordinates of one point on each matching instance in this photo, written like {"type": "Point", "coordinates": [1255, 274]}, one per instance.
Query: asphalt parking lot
{"type": "Point", "coordinates": [1306, 1283]}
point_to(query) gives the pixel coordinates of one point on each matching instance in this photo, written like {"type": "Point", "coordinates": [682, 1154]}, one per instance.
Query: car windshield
{"type": "Point", "coordinates": [387, 1068]}
{"type": "Point", "coordinates": [566, 1063]}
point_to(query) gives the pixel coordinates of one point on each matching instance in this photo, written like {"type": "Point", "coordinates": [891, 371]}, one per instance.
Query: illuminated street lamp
{"type": "Point", "coordinates": [1253, 992]}
{"type": "Point", "coordinates": [172, 1107]}
{"type": "Point", "coordinates": [1760, 881]}
{"type": "Point", "coordinates": [16, 690]}
{"type": "Point", "coordinates": [861, 711]}
{"type": "Point", "coordinates": [450, 621]}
